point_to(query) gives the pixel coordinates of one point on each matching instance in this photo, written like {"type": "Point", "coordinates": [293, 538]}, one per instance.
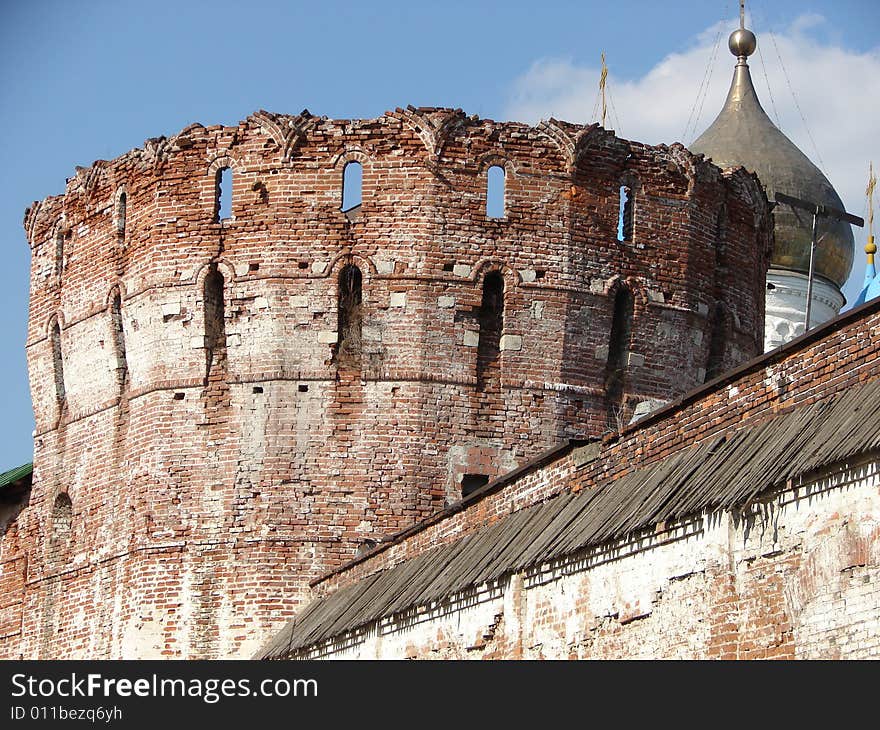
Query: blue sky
{"type": "Point", "coordinates": [81, 81]}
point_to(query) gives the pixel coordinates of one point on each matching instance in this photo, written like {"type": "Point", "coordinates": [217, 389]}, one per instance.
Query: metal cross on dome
{"type": "Point", "coordinates": [819, 211]}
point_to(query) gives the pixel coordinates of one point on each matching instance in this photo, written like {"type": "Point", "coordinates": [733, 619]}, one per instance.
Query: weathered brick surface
{"type": "Point", "coordinates": [213, 471]}
{"type": "Point", "coordinates": [13, 571]}
{"type": "Point", "coordinates": [792, 575]}
{"type": "Point", "coordinates": [834, 357]}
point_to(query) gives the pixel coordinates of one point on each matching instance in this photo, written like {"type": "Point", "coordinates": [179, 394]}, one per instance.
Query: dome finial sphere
{"type": "Point", "coordinates": [742, 42]}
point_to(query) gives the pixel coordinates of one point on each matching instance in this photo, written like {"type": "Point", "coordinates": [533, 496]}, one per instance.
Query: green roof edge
{"type": "Point", "coordinates": [13, 475]}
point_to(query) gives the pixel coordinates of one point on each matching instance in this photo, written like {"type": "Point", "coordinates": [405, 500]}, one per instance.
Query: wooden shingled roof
{"type": "Point", "coordinates": [720, 473]}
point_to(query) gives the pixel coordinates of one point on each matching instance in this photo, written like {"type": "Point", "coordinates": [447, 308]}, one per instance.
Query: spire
{"type": "Point", "coordinates": [743, 134]}
{"type": "Point", "coordinates": [742, 43]}
{"type": "Point", "coordinates": [742, 96]}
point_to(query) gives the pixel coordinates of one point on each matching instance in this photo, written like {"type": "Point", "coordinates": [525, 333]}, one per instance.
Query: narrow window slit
{"type": "Point", "coordinates": [62, 515]}
{"type": "Point", "coordinates": [58, 363]}
{"type": "Point", "coordinates": [61, 524]}
{"type": "Point", "coordinates": [495, 192]}
{"type": "Point", "coordinates": [721, 243]}
{"type": "Point", "coordinates": [59, 253]}
{"type": "Point", "coordinates": [618, 347]}
{"type": "Point", "coordinates": [223, 195]}
{"type": "Point", "coordinates": [121, 205]}
{"type": "Point", "coordinates": [717, 342]}
{"type": "Point", "coordinates": [352, 185]}
{"type": "Point", "coordinates": [350, 315]}
{"type": "Point", "coordinates": [119, 339]}
{"type": "Point", "coordinates": [491, 315]}
{"type": "Point", "coordinates": [215, 322]}
{"type": "Point", "coordinates": [625, 214]}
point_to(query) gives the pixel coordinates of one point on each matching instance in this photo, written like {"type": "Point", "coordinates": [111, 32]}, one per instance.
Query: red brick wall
{"type": "Point", "coordinates": [792, 575]}
{"type": "Point", "coordinates": [204, 500]}
{"type": "Point", "coordinates": [13, 572]}
{"type": "Point", "coordinates": [836, 356]}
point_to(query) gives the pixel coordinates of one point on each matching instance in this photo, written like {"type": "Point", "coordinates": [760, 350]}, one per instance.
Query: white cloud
{"type": "Point", "coordinates": [837, 89]}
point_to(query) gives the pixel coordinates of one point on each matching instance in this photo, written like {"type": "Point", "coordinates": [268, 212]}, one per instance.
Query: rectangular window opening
{"type": "Point", "coordinates": [625, 215]}
{"type": "Point", "coordinates": [495, 192]}
{"type": "Point", "coordinates": [470, 483]}
{"type": "Point", "coordinates": [352, 186]}
{"type": "Point", "coordinates": [223, 203]}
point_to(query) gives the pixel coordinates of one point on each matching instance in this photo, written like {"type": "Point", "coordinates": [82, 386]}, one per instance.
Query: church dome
{"type": "Point", "coordinates": [743, 134]}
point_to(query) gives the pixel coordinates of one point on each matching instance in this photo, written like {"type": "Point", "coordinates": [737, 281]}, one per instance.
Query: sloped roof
{"type": "Point", "coordinates": [13, 475]}
{"type": "Point", "coordinates": [720, 473]}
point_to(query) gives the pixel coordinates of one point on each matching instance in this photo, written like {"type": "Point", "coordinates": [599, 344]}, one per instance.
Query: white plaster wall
{"type": "Point", "coordinates": [163, 331]}
{"type": "Point", "coordinates": [637, 585]}
{"type": "Point", "coordinates": [809, 555]}
{"type": "Point", "coordinates": [786, 306]}
{"type": "Point", "coordinates": [458, 629]}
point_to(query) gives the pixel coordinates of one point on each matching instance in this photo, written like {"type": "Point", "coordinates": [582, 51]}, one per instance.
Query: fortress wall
{"type": "Point", "coordinates": [830, 359]}
{"type": "Point", "coordinates": [256, 454]}
{"type": "Point", "coordinates": [793, 576]}
{"type": "Point", "coordinates": [790, 575]}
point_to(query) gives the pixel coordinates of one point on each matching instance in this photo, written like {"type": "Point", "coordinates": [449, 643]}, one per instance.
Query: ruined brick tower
{"type": "Point", "coordinates": [229, 405]}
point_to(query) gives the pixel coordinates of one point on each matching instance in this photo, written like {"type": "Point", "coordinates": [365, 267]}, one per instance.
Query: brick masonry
{"type": "Point", "coordinates": [792, 575]}
{"type": "Point", "coordinates": [189, 386]}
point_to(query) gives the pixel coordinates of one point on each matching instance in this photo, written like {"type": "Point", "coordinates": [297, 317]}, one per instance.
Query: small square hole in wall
{"type": "Point", "coordinates": [258, 389]}
{"type": "Point", "coordinates": [470, 483]}
{"type": "Point", "coordinates": [365, 546]}
{"type": "Point", "coordinates": [179, 396]}
{"type": "Point", "coordinates": [253, 266]}
{"type": "Point", "coordinates": [449, 266]}
{"type": "Point", "coordinates": [303, 264]}
{"type": "Point", "coordinates": [303, 388]}
{"type": "Point", "coordinates": [540, 274]}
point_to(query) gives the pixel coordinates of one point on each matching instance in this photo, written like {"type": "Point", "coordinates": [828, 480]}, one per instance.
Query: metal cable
{"type": "Point", "coordinates": [796, 103]}
{"type": "Point", "coordinates": [703, 84]}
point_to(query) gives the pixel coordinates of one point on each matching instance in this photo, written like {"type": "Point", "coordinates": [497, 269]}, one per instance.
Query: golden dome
{"type": "Point", "coordinates": [743, 134]}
